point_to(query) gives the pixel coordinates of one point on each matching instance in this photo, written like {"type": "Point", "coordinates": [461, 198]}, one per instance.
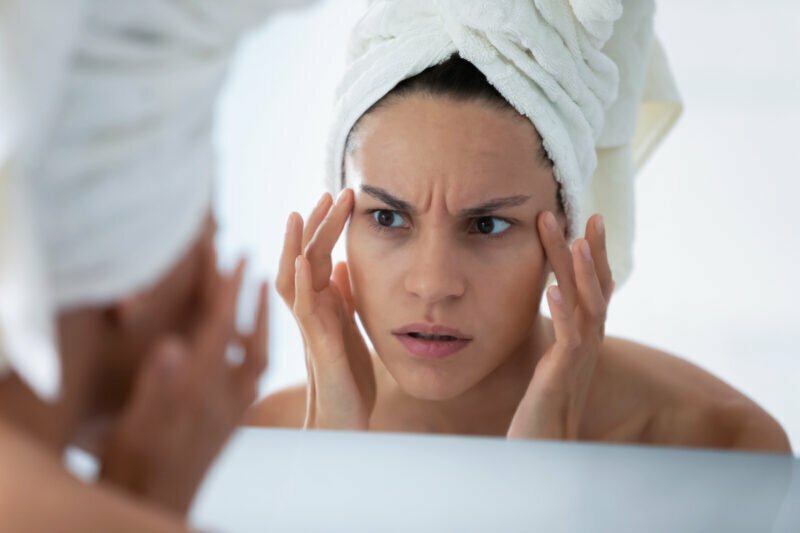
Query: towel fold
{"type": "Point", "coordinates": [114, 143]}
{"type": "Point", "coordinates": [589, 74]}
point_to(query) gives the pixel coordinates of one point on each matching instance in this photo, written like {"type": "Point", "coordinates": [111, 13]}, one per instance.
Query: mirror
{"type": "Point", "coordinates": [560, 226]}
{"type": "Point", "coordinates": [695, 291]}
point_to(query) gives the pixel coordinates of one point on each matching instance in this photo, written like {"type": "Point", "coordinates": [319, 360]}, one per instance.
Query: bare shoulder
{"type": "Point", "coordinates": [38, 494]}
{"type": "Point", "coordinates": [688, 405]}
{"type": "Point", "coordinates": [282, 409]}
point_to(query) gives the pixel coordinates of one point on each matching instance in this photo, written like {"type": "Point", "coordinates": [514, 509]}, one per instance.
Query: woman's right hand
{"type": "Point", "coordinates": [341, 379]}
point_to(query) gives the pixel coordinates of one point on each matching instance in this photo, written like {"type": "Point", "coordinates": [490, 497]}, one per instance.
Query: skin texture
{"type": "Point", "coordinates": [146, 388]}
{"type": "Point", "coordinates": [521, 375]}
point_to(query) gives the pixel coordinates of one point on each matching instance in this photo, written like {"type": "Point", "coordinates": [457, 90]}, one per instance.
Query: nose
{"type": "Point", "coordinates": [434, 275]}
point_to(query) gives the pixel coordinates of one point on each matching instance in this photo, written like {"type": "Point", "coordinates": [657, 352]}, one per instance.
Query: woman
{"type": "Point", "coordinates": [106, 124]}
{"type": "Point", "coordinates": [473, 138]}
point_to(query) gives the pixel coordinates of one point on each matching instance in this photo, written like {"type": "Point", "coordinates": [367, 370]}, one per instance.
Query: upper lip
{"type": "Point", "coordinates": [432, 329]}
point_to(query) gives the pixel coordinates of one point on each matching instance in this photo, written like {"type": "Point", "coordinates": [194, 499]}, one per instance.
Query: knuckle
{"type": "Point", "coordinates": [302, 312]}
{"type": "Point", "coordinates": [596, 313]}
{"type": "Point", "coordinates": [572, 340]}
{"type": "Point", "coordinates": [284, 288]}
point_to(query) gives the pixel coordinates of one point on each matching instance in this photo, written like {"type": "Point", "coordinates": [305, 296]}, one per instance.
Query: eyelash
{"type": "Point", "coordinates": [379, 227]}
{"type": "Point", "coordinates": [473, 221]}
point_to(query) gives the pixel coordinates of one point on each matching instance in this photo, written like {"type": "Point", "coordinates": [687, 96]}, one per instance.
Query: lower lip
{"type": "Point", "coordinates": [426, 349]}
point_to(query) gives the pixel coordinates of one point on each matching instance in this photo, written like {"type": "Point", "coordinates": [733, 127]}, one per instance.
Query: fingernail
{"type": "Point", "coordinates": [599, 225]}
{"type": "Point", "coordinates": [322, 199]}
{"type": "Point", "coordinates": [586, 251]}
{"type": "Point", "coordinates": [555, 294]}
{"type": "Point", "coordinates": [298, 263]}
{"type": "Point", "coordinates": [341, 195]}
{"type": "Point", "coordinates": [550, 221]}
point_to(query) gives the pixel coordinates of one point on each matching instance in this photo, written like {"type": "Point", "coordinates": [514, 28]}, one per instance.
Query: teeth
{"type": "Point", "coordinates": [427, 337]}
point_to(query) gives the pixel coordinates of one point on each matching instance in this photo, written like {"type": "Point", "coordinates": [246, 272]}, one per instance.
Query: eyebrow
{"type": "Point", "coordinates": [493, 205]}
{"type": "Point", "coordinates": [385, 197]}
{"type": "Point", "coordinates": [479, 210]}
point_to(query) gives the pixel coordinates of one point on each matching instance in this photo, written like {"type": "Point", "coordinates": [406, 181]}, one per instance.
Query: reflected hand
{"type": "Point", "coordinates": [553, 404]}
{"type": "Point", "coordinates": [341, 379]}
{"type": "Point", "coordinates": [188, 400]}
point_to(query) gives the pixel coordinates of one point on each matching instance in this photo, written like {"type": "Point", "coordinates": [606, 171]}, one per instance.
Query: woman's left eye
{"type": "Point", "coordinates": [490, 225]}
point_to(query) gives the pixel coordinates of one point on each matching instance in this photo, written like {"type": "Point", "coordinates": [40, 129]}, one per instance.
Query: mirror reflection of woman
{"type": "Point", "coordinates": [464, 184]}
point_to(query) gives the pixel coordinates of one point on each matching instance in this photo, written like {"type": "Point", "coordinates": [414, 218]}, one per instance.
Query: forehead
{"type": "Point", "coordinates": [420, 141]}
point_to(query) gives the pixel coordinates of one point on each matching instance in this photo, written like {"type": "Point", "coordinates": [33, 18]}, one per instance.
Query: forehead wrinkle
{"type": "Point", "coordinates": [389, 199]}
{"type": "Point", "coordinates": [494, 204]}
{"type": "Point", "coordinates": [446, 156]}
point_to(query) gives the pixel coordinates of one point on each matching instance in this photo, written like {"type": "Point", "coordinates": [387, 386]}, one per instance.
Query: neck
{"type": "Point", "coordinates": [56, 424]}
{"type": "Point", "coordinates": [488, 407]}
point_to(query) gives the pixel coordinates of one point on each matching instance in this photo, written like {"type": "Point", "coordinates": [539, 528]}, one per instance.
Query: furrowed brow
{"type": "Point", "coordinates": [385, 197]}
{"type": "Point", "coordinates": [493, 205]}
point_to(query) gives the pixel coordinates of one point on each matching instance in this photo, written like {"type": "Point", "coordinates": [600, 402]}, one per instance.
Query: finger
{"type": "Point", "coordinates": [210, 281]}
{"type": "Point", "coordinates": [152, 409]}
{"type": "Point", "coordinates": [292, 247]}
{"type": "Point", "coordinates": [559, 257]}
{"type": "Point", "coordinates": [256, 344]}
{"type": "Point", "coordinates": [566, 332]}
{"type": "Point", "coordinates": [316, 217]}
{"type": "Point", "coordinates": [303, 291]}
{"type": "Point", "coordinates": [321, 245]}
{"type": "Point", "coordinates": [595, 234]}
{"type": "Point", "coordinates": [152, 399]}
{"type": "Point", "coordinates": [315, 334]}
{"type": "Point", "coordinates": [341, 278]}
{"type": "Point", "coordinates": [220, 327]}
{"type": "Point", "coordinates": [590, 294]}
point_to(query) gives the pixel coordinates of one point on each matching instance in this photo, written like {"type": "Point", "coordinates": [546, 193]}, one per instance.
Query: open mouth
{"type": "Point", "coordinates": [432, 337]}
{"type": "Point", "coordinates": [429, 341]}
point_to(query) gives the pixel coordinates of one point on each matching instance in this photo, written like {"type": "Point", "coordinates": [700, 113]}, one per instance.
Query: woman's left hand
{"type": "Point", "coordinates": [553, 404]}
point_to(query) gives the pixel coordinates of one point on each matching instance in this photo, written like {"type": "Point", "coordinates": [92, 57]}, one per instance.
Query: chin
{"type": "Point", "coordinates": [425, 382]}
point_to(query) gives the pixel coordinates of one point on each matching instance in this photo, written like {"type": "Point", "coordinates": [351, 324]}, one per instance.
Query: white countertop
{"type": "Point", "coordinates": [275, 480]}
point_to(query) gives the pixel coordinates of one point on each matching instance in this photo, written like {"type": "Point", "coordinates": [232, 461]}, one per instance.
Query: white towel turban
{"type": "Point", "coordinates": [589, 74]}
{"type": "Point", "coordinates": [118, 153]}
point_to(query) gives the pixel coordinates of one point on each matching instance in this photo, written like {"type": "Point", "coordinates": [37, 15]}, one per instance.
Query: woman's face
{"type": "Point", "coordinates": [445, 259]}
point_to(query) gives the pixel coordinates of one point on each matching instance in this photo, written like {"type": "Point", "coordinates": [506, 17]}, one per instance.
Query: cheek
{"type": "Point", "coordinates": [510, 287]}
{"type": "Point", "coordinates": [363, 264]}
{"type": "Point", "coordinates": [377, 267]}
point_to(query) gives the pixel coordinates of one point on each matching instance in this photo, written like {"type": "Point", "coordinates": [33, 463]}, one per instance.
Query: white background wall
{"type": "Point", "coordinates": [716, 278]}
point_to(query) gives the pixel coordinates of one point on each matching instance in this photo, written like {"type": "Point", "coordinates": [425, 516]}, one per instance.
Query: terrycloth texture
{"type": "Point", "coordinates": [114, 142]}
{"type": "Point", "coordinates": [124, 179]}
{"type": "Point", "coordinates": [27, 339]}
{"type": "Point", "coordinates": [577, 70]}
{"type": "Point", "coordinates": [34, 43]}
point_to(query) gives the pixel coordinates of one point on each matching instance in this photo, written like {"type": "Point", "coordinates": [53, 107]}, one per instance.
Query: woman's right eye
{"type": "Point", "coordinates": [388, 219]}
